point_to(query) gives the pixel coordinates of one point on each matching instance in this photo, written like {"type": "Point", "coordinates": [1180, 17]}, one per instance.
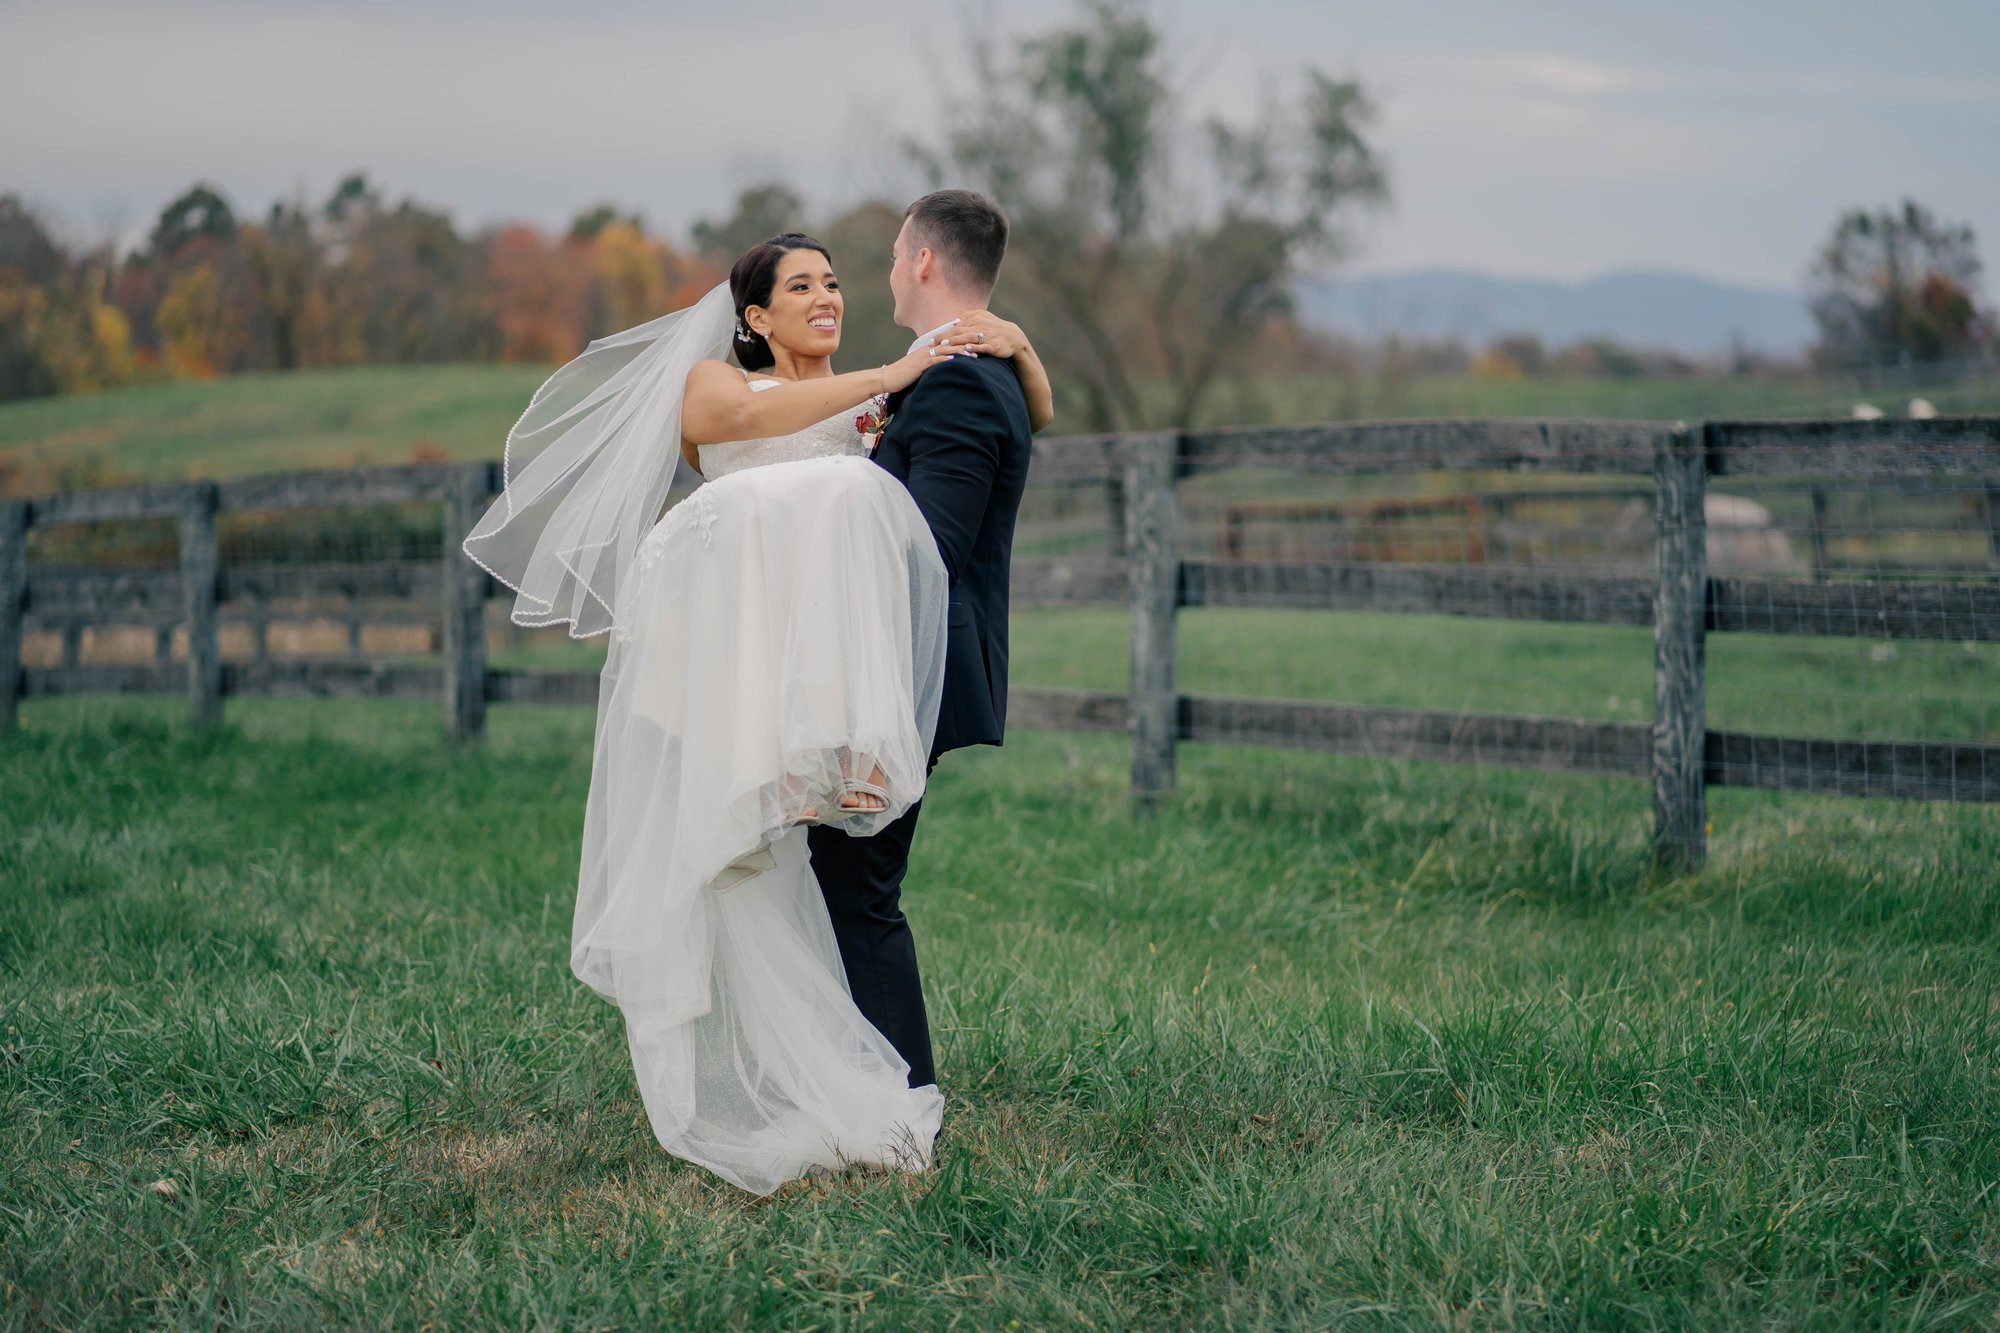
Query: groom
{"type": "Point", "coordinates": [959, 439]}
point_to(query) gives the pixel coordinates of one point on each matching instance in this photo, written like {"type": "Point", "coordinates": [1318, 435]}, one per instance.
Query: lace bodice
{"type": "Point", "coordinates": [834, 437]}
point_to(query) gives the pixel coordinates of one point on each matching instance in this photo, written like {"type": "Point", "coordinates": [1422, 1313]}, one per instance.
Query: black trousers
{"type": "Point", "coordinates": [862, 881]}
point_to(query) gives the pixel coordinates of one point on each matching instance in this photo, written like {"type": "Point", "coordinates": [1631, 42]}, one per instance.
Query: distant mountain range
{"type": "Point", "coordinates": [1677, 311]}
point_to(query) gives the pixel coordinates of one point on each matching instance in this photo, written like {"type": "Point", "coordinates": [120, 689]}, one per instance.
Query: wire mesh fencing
{"type": "Point", "coordinates": [1799, 606]}
{"type": "Point", "coordinates": [1793, 605]}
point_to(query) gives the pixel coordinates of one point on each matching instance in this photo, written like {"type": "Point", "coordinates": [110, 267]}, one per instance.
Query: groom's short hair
{"type": "Point", "coordinates": [968, 233]}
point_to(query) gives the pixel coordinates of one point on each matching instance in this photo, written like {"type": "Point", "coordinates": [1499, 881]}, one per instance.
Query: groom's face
{"type": "Point", "coordinates": [903, 278]}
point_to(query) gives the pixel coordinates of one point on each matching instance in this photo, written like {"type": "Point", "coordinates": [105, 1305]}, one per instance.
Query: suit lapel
{"type": "Point", "coordinates": [888, 453]}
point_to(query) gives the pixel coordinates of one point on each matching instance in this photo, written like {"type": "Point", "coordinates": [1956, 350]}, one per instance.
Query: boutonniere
{"type": "Point", "coordinates": [874, 421]}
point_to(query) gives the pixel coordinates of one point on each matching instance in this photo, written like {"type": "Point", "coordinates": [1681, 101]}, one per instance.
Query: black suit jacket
{"type": "Point", "coordinates": [959, 439]}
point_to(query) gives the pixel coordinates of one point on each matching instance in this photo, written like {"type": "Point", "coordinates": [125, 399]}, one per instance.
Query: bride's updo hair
{"type": "Point", "coordinates": [750, 283]}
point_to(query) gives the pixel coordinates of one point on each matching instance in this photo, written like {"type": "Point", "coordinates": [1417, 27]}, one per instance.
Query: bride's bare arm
{"type": "Point", "coordinates": [983, 333]}
{"type": "Point", "coordinates": [721, 406]}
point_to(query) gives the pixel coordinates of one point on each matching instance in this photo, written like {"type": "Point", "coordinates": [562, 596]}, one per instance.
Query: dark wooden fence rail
{"type": "Point", "coordinates": [1680, 600]}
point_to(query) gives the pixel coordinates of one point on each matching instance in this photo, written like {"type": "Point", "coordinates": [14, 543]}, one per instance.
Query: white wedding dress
{"type": "Point", "coordinates": [784, 633]}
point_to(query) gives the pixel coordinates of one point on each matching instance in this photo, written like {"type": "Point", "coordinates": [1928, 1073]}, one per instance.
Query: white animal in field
{"type": "Point", "coordinates": [1867, 412]}
{"type": "Point", "coordinates": [1743, 539]}
{"type": "Point", "coordinates": [1742, 536]}
{"type": "Point", "coordinates": [1922, 409]}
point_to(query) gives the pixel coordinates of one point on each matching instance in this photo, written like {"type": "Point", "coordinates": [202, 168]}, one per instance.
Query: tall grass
{"type": "Point", "coordinates": [1329, 1043]}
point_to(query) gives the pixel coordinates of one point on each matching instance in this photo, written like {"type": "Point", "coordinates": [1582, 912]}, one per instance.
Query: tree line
{"type": "Point", "coordinates": [351, 280]}
{"type": "Point", "coordinates": [1158, 251]}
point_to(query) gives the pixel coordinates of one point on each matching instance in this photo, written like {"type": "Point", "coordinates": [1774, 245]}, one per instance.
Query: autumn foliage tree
{"type": "Point", "coordinates": [355, 279]}
{"type": "Point", "coordinates": [1896, 286]}
{"type": "Point", "coordinates": [533, 295]}
{"type": "Point", "coordinates": [58, 331]}
{"type": "Point", "coordinates": [204, 322]}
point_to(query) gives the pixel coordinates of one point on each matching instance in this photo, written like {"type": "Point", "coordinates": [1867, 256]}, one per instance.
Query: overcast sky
{"type": "Point", "coordinates": [1557, 138]}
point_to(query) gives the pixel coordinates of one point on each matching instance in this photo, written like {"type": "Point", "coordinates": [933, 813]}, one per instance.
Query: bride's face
{"type": "Point", "coordinates": [805, 307]}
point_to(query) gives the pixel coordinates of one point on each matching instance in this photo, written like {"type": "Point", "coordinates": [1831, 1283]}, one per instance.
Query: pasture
{"type": "Point", "coordinates": [290, 1041]}
{"type": "Point", "coordinates": [1851, 689]}
{"type": "Point", "coordinates": [275, 422]}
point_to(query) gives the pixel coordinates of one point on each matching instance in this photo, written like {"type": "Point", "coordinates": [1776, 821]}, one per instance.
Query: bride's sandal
{"type": "Point", "coordinates": [857, 797]}
{"type": "Point", "coordinates": [864, 796]}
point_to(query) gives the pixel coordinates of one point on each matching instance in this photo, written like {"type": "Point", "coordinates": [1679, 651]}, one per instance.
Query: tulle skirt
{"type": "Point", "coordinates": [785, 634]}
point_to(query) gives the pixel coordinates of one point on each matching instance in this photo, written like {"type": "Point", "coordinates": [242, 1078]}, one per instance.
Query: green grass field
{"type": "Point", "coordinates": [391, 414]}
{"type": "Point", "coordinates": [270, 422]}
{"type": "Point", "coordinates": [1854, 689]}
{"type": "Point", "coordinates": [290, 1039]}
{"type": "Point", "coordinates": [1758, 683]}
{"type": "Point", "coordinates": [1328, 1043]}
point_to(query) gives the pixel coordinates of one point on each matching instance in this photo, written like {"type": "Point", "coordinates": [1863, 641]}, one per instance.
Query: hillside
{"type": "Point", "coordinates": [263, 423]}
{"type": "Point", "coordinates": [1678, 311]}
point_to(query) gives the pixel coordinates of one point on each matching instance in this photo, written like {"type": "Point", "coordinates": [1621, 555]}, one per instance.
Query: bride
{"type": "Point", "coordinates": [776, 662]}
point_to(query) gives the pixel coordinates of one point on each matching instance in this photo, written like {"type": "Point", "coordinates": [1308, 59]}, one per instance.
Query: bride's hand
{"type": "Point", "coordinates": [981, 332]}
{"type": "Point", "coordinates": [900, 375]}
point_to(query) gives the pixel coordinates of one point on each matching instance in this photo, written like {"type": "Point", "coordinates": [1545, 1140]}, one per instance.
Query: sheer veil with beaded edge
{"type": "Point", "coordinates": [588, 467]}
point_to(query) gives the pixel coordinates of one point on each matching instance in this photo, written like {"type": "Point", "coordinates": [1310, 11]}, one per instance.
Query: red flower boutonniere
{"type": "Point", "coordinates": [874, 421]}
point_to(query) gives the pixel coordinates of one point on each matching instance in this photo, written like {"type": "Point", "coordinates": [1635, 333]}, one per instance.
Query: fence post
{"type": "Point", "coordinates": [1118, 510]}
{"type": "Point", "coordinates": [1993, 526]}
{"type": "Point", "coordinates": [1680, 604]}
{"type": "Point", "coordinates": [199, 566]}
{"type": "Point", "coordinates": [1819, 533]}
{"type": "Point", "coordinates": [13, 606]}
{"type": "Point", "coordinates": [464, 606]}
{"type": "Point", "coordinates": [1153, 571]}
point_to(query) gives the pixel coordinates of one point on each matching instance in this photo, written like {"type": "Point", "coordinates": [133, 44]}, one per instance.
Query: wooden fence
{"type": "Point", "coordinates": [1680, 600]}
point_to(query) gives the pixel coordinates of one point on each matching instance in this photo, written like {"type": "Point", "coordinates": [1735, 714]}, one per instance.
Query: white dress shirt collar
{"type": "Point", "coordinates": [926, 339]}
